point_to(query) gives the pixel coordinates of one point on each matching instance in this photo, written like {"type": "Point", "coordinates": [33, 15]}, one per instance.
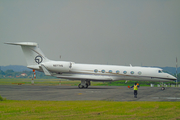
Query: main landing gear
{"type": "Point", "coordinates": [84, 84]}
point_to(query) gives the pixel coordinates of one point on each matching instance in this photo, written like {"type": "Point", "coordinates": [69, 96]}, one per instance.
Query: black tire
{"type": "Point", "coordinates": [86, 85]}
{"type": "Point", "coordinates": [80, 86]}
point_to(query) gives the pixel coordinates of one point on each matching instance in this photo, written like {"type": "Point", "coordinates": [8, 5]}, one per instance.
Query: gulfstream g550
{"type": "Point", "coordinates": [36, 60]}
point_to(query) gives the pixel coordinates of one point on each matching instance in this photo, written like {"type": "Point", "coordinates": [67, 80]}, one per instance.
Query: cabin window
{"type": "Point", "coordinates": [95, 70]}
{"type": "Point", "coordinates": [132, 72]}
{"type": "Point", "coordinates": [103, 71]}
{"type": "Point", "coordinates": [124, 72]}
{"type": "Point", "coordinates": [139, 72]}
{"type": "Point", "coordinates": [110, 71]}
{"type": "Point", "coordinates": [117, 71]}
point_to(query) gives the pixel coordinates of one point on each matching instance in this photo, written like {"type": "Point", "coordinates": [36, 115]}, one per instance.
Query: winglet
{"type": "Point", "coordinates": [46, 72]}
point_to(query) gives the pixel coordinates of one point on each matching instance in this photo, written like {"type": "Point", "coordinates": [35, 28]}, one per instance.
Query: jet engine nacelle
{"type": "Point", "coordinates": [58, 66]}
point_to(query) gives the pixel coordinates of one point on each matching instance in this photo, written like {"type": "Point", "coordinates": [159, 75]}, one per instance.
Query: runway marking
{"type": "Point", "coordinates": [93, 91]}
{"type": "Point", "coordinates": [79, 93]}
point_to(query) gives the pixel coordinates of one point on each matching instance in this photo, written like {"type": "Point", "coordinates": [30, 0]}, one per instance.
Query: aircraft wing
{"type": "Point", "coordinates": [46, 72]}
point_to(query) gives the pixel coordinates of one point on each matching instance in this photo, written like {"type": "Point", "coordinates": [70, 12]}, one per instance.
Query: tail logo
{"type": "Point", "coordinates": [38, 59]}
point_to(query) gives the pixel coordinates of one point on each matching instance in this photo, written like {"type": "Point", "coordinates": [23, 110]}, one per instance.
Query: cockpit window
{"type": "Point", "coordinates": [160, 71]}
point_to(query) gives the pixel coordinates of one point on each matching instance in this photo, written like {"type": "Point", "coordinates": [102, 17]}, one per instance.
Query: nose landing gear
{"type": "Point", "coordinates": [163, 88]}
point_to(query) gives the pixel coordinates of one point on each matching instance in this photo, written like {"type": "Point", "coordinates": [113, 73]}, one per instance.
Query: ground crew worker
{"type": "Point", "coordinates": [135, 86]}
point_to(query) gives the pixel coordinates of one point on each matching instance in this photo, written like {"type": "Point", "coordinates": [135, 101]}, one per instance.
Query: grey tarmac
{"type": "Point", "coordinates": [73, 93]}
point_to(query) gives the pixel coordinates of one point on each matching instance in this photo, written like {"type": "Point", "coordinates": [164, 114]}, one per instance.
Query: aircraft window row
{"type": "Point", "coordinates": [125, 72]}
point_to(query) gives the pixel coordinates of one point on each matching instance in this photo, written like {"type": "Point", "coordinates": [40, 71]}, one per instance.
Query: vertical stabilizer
{"type": "Point", "coordinates": [33, 54]}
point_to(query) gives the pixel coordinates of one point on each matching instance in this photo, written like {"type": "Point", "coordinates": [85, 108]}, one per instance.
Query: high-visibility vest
{"type": "Point", "coordinates": [135, 87]}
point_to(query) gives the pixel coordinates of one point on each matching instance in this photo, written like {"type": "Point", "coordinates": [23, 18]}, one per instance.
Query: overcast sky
{"type": "Point", "coordinates": [117, 32]}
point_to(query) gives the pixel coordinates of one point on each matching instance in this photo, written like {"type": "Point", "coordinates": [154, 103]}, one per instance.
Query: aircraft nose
{"type": "Point", "coordinates": [172, 77]}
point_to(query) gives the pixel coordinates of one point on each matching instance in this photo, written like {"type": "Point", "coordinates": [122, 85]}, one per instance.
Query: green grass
{"type": "Point", "coordinates": [88, 110]}
{"type": "Point", "coordinates": [20, 110]}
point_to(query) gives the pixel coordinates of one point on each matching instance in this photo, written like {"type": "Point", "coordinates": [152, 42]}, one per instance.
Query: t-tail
{"type": "Point", "coordinates": [33, 54]}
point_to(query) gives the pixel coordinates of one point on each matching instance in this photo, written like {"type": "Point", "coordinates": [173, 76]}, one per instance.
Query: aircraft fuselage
{"type": "Point", "coordinates": [71, 70]}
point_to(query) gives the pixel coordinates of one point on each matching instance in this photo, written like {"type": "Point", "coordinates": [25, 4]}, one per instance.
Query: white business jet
{"type": "Point", "coordinates": [36, 60]}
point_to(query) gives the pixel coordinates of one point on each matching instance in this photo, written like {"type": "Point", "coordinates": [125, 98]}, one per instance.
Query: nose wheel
{"type": "Point", "coordinates": [163, 88]}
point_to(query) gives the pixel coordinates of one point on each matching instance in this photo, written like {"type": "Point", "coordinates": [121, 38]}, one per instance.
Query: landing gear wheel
{"type": "Point", "coordinates": [163, 88]}
{"type": "Point", "coordinates": [86, 85]}
{"type": "Point", "coordinates": [80, 86]}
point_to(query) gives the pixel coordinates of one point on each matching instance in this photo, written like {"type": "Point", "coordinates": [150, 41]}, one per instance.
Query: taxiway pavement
{"type": "Point", "coordinates": [72, 93]}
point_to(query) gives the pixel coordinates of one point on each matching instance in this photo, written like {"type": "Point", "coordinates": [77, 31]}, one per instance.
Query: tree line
{"type": "Point", "coordinates": [23, 74]}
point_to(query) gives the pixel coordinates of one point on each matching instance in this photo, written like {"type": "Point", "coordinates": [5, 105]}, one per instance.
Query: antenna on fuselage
{"type": "Point", "coordinates": [60, 56]}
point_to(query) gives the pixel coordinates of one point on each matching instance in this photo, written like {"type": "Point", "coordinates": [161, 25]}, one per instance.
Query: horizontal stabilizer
{"type": "Point", "coordinates": [23, 43]}
{"type": "Point", "coordinates": [46, 72]}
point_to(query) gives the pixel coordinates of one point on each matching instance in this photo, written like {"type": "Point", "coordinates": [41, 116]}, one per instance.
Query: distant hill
{"type": "Point", "coordinates": [171, 70]}
{"type": "Point", "coordinates": [20, 68]}
{"type": "Point", "coordinates": [15, 68]}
